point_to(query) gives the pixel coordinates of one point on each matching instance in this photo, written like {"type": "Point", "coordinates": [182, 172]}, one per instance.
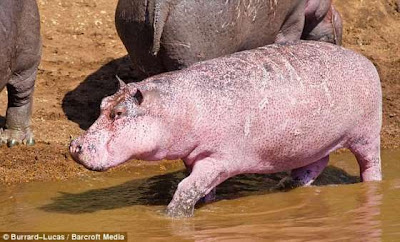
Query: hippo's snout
{"type": "Point", "coordinates": [86, 155]}
{"type": "Point", "coordinates": [75, 149]}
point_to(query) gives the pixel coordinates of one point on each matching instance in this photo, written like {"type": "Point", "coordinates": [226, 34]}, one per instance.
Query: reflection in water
{"type": "Point", "coordinates": [158, 190]}
{"type": "Point", "coordinates": [246, 208]}
{"type": "Point", "coordinates": [318, 216]}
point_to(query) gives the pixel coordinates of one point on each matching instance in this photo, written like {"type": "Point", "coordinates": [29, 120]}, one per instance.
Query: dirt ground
{"type": "Point", "coordinates": [82, 53]}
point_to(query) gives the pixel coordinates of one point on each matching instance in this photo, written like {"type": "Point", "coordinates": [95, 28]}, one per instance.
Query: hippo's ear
{"type": "Point", "coordinates": [138, 97]}
{"type": "Point", "coordinates": [122, 84]}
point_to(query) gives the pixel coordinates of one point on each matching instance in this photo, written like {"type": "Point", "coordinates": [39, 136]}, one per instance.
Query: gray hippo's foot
{"type": "Point", "coordinates": [13, 137]}
{"type": "Point", "coordinates": [17, 129]}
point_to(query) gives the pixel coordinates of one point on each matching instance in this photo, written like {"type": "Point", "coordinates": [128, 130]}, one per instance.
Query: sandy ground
{"type": "Point", "coordinates": [82, 53]}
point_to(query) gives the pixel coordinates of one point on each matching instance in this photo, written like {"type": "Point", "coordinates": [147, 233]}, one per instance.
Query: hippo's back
{"type": "Point", "coordinates": [288, 72]}
{"type": "Point", "coordinates": [316, 94]}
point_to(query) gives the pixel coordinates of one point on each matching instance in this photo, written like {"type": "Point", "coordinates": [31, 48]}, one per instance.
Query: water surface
{"type": "Point", "coordinates": [338, 208]}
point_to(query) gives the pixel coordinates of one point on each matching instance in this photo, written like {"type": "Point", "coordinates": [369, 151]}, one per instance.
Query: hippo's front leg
{"type": "Point", "coordinates": [25, 62]}
{"type": "Point", "coordinates": [206, 175]}
{"type": "Point", "coordinates": [18, 118]}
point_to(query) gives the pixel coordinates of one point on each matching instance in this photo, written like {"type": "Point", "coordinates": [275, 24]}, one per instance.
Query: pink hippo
{"type": "Point", "coordinates": [276, 108]}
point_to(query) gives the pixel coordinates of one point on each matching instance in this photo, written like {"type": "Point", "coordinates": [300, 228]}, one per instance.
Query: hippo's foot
{"type": "Point", "coordinates": [13, 137]}
{"type": "Point", "coordinates": [184, 207]}
{"type": "Point", "coordinates": [367, 152]}
{"type": "Point", "coordinates": [180, 210]}
{"type": "Point", "coordinates": [17, 127]}
{"type": "Point", "coordinates": [303, 176]}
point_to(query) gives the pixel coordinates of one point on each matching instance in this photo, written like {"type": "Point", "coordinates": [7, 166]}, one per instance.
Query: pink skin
{"type": "Point", "coordinates": [271, 109]}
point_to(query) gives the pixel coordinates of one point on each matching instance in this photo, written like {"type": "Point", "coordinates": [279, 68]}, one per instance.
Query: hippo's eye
{"type": "Point", "coordinates": [117, 113]}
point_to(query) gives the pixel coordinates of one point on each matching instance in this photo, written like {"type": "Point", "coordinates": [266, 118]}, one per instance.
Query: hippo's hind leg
{"type": "Point", "coordinates": [327, 28]}
{"type": "Point", "coordinates": [304, 176]}
{"type": "Point", "coordinates": [133, 21]}
{"type": "Point", "coordinates": [293, 26]}
{"type": "Point", "coordinates": [367, 152]}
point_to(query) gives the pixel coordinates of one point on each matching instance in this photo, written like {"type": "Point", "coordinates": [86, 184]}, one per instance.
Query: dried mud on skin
{"type": "Point", "coordinates": [82, 53]}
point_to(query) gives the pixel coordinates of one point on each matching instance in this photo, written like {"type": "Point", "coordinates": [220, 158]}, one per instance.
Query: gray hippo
{"type": "Point", "coordinates": [166, 35]}
{"type": "Point", "coordinates": [20, 52]}
{"type": "Point", "coordinates": [276, 108]}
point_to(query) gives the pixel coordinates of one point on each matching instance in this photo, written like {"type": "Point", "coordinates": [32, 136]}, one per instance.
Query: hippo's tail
{"type": "Point", "coordinates": [161, 11]}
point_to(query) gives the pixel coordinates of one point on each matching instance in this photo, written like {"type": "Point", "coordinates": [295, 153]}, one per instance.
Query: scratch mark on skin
{"type": "Point", "coordinates": [179, 44]}
{"type": "Point", "coordinates": [277, 71]}
{"type": "Point", "coordinates": [328, 94]}
{"type": "Point", "coordinates": [263, 103]}
{"type": "Point", "coordinates": [294, 76]}
{"type": "Point", "coordinates": [247, 126]}
{"type": "Point", "coordinates": [272, 6]}
{"type": "Point", "coordinates": [3, 28]}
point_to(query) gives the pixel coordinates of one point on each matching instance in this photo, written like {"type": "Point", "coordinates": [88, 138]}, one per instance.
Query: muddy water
{"type": "Point", "coordinates": [336, 209]}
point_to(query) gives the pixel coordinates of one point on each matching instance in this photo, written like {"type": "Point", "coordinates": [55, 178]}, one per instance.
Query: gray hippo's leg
{"type": "Point", "coordinates": [134, 22]}
{"type": "Point", "coordinates": [18, 118]}
{"type": "Point", "coordinates": [205, 176]}
{"type": "Point", "coordinates": [304, 176]}
{"type": "Point", "coordinates": [21, 84]}
{"type": "Point", "coordinates": [293, 26]}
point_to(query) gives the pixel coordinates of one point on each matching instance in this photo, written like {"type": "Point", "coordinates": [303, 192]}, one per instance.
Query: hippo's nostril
{"type": "Point", "coordinates": [75, 147]}
{"type": "Point", "coordinates": [78, 149]}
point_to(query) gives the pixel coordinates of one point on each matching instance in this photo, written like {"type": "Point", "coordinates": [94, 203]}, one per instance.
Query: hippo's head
{"type": "Point", "coordinates": [125, 129]}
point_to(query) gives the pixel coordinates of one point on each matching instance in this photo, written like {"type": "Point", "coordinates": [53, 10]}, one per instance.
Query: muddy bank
{"type": "Point", "coordinates": [82, 53]}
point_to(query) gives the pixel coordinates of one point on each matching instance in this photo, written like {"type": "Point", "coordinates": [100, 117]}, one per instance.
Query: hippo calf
{"type": "Point", "coordinates": [20, 52]}
{"type": "Point", "coordinates": [276, 108]}
{"type": "Point", "coordinates": [166, 35]}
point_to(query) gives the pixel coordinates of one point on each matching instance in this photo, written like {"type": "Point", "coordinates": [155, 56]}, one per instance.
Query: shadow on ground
{"type": "Point", "coordinates": [158, 190]}
{"type": "Point", "coordinates": [82, 105]}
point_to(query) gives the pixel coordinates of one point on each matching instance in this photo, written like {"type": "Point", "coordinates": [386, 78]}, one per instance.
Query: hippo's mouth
{"type": "Point", "coordinates": [81, 161]}
{"type": "Point", "coordinates": [96, 168]}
